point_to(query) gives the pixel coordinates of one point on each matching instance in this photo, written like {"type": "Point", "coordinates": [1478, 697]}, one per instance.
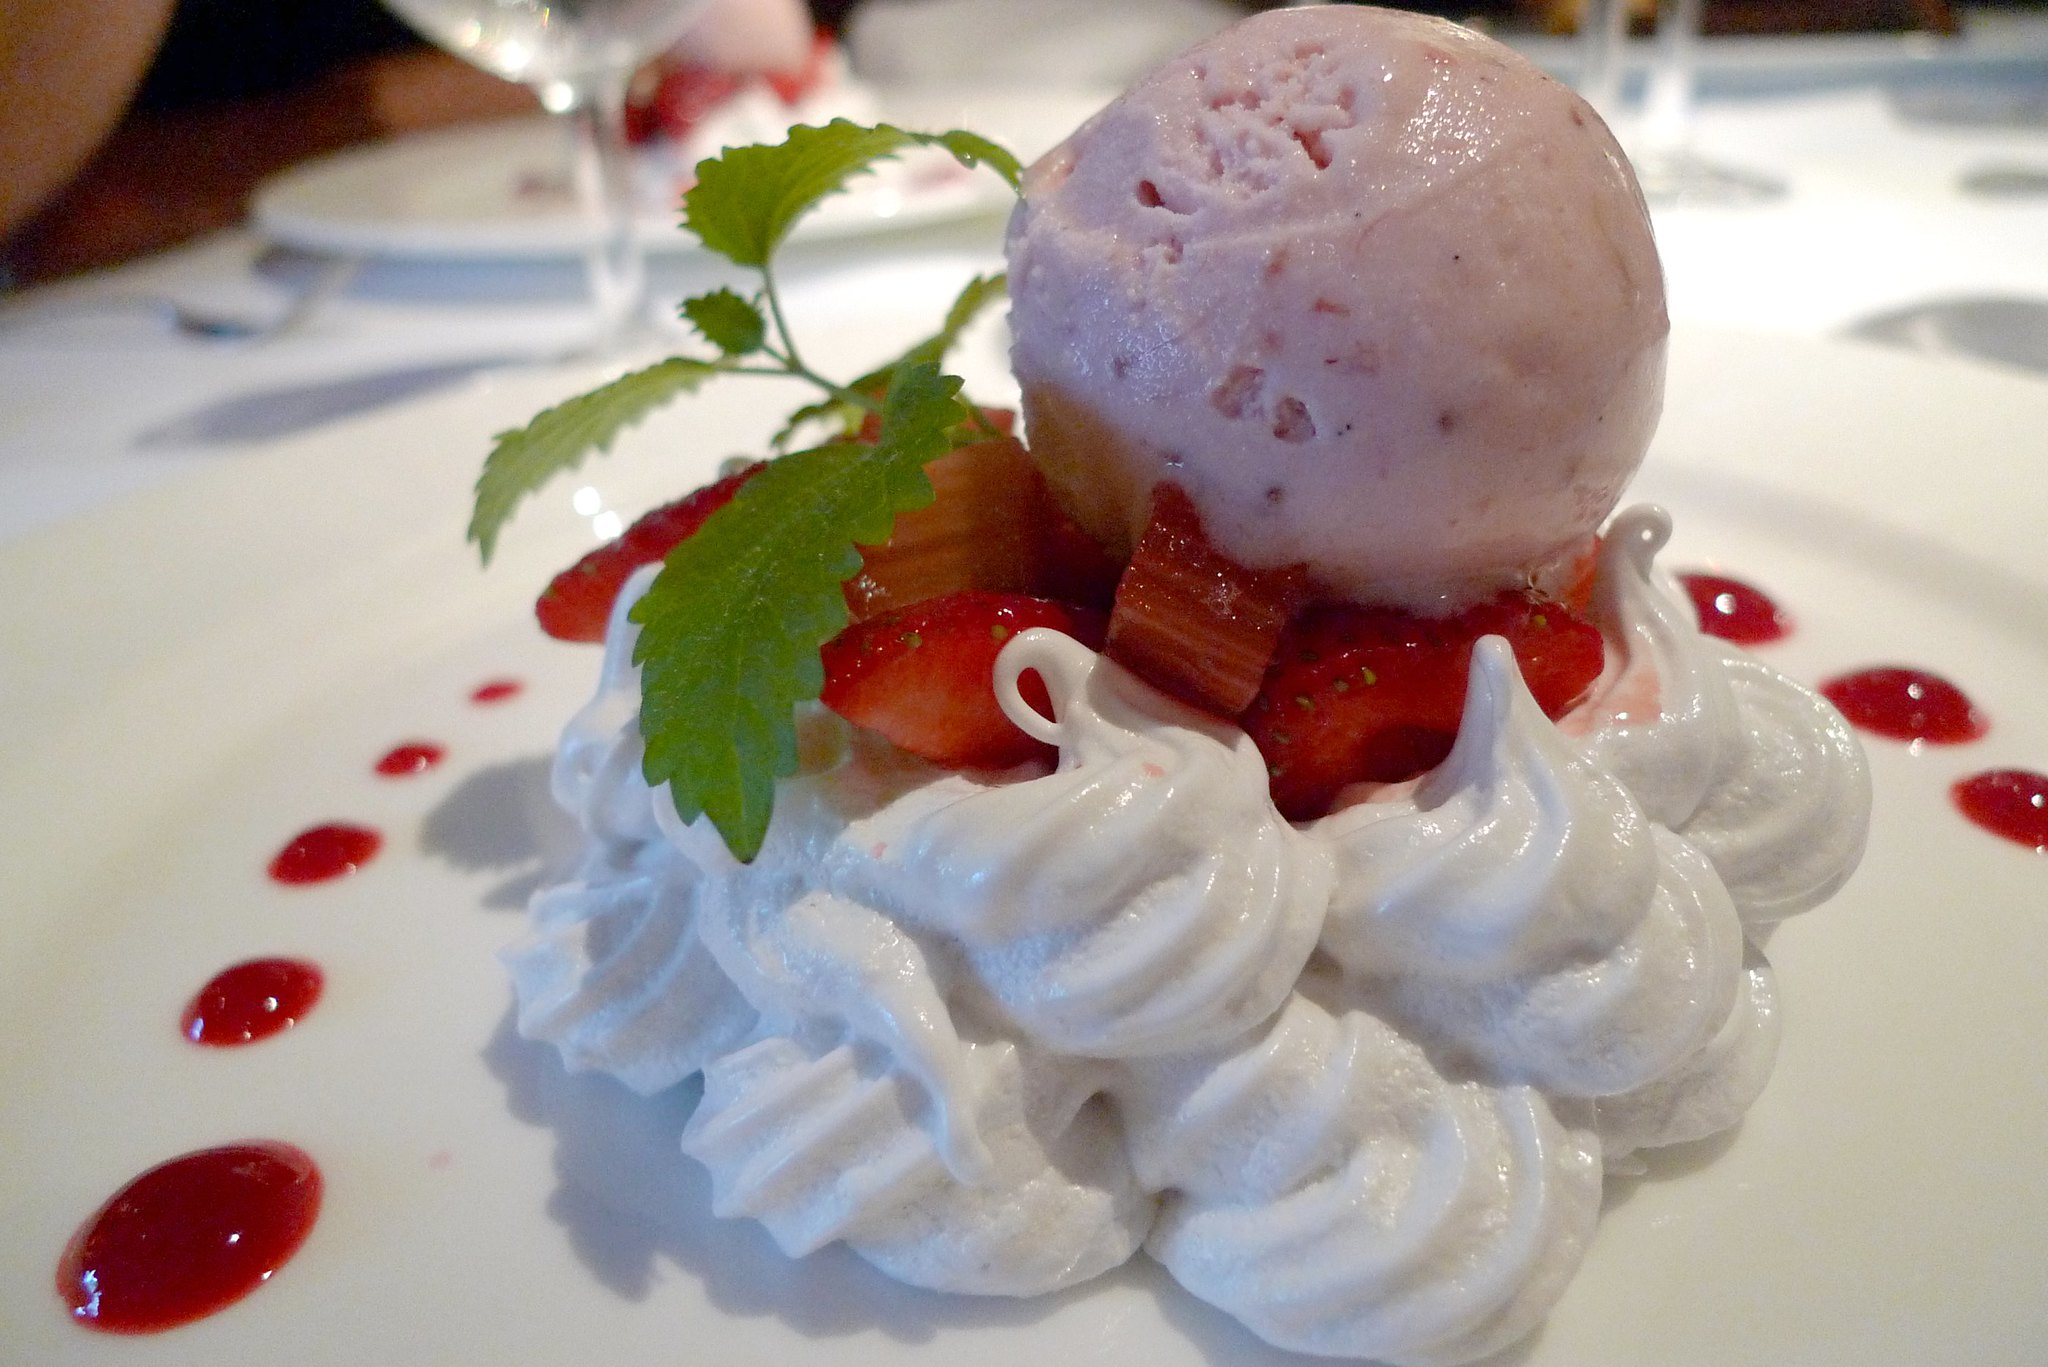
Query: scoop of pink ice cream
{"type": "Point", "coordinates": [1378, 293]}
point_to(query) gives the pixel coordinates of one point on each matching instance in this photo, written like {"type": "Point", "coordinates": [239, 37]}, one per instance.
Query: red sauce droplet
{"type": "Point", "coordinates": [325, 852]}
{"type": "Point", "coordinates": [1735, 611]}
{"type": "Point", "coordinates": [252, 1001]}
{"type": "Point", "coordinates": [1906, 704]}
{"type": "Point", "coordinates": [190, 1237]}
{"type": "Point", "coordinates": [2008, 802]}
{"type": "Point", "coordinates": [497, 690]}
{"type": "Point", "coordinates": [413, 757]}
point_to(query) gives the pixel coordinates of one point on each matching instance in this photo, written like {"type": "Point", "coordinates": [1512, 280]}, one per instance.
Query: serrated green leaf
{"type": "Point", "coordinates": [825, 413]}
{"type": "Point", "coordinates": [745, 201]}
{"type": "Point", "coordinates": [729, 322]}
{"type": "Point", "coordinates": [973, 298]}
{"type": "Point", "coordinates": [732, 625]}
{"type": "Point", "coordinates": [557, 440]}
{"type": "Point", "coordinates": [972, 149]}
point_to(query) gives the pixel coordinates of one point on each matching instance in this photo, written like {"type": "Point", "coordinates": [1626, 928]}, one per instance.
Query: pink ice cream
{"type": "Point", "coordinates": [1378, 293]}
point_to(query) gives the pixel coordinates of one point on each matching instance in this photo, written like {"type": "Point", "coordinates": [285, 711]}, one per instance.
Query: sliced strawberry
{"type": "Point", "coordinates": [1191, 620]}
{"type": "Point", "coordinates": [791, 86]}
{"type": "Point", "coordinates": [684, 95]}
{"type": "Point", "coordinates": [578, 603]}
{"type": "Point", "coordinates": [1358, 694]}
{"type": "Point", "coordinates": [924, 675]}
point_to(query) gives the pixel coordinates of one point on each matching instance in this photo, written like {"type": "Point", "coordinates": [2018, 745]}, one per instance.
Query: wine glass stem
{"type": "Point", "coordinates": [1667, 103]}
{"type": "Point", "coordinates": [616, 263]}
{"type": "Point", "coordinates": [1603, 39]}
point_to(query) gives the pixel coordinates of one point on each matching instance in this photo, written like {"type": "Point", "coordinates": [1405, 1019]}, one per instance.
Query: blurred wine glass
{"type": "Point", "coordinates": [1659, 136]}
{"type": "Point", "coordinates": [579, 56]}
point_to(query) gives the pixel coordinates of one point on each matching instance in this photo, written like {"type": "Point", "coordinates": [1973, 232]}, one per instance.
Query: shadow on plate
{"type": "Point", "coordinates": [2009, 331]}
{"type": "Point", "coordinates": [269, 414]}
{"type": "Point", "coordinates": [502, 820]}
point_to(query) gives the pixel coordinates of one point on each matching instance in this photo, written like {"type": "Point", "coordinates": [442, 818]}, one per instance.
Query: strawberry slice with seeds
{"type": "Point", "coordinates": [923, 676]}
{"type": "Point", "coordinates": [577, 604]}
{"type": "Point", "coordinates": [1191, 620]}
{"type": "Point", "coordinates": [1375, 694]}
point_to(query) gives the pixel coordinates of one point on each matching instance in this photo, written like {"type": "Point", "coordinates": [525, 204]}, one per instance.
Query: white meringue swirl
{"type": "Point", "coordinates": [979, 1026]}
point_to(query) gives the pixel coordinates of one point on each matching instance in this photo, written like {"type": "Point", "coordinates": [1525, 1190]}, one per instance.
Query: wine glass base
{"type": "Point", "coordinates": [1685, 177]}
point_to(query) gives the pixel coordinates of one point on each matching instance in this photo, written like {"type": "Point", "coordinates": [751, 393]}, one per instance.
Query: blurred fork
{"type": "Point", "coordinates": [215, 324]}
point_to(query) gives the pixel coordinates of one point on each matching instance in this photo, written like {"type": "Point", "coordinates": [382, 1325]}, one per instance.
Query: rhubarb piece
{"type": "Point", "coordinates": [977, 533]}
{"type": "Point", "coordinates": [923, 676]}
{"type": "Point", "coordinates": [992, 524]}
{"type": "Point", "coordinates": [1191, 620]}
{"type": "Point", "coordinates": [1374, 694]}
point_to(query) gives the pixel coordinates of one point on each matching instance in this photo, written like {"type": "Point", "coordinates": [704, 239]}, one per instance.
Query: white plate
{"type": "Point", "coordinates": [503, 190]}
{"type": "Point", "coordinates": [193, 677]}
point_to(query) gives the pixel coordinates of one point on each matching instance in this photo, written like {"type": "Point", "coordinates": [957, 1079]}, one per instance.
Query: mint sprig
{"type": "Point", "coordinates": [976, 296]}
{"type": "Point", "coordinates": [743, 207]}
{"type": "Point", "coordinates": [732, 625]}
{"type": "Point", "coordinates": [745, 202]}
{"type": "Point", "coordinates": [558, 439]}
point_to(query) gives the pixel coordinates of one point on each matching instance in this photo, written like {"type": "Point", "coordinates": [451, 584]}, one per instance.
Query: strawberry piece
{"type": "Point", "coordinates": [792, 86]}
{"type": "Point", "coordinates": [685, 94]}
{"type": "Point", "coordinates": [1193, 621]}
{"type": "Point", "coordinates": [923, 676]}
{"type": "Point", "coordinates": [1375, 694]}
{"type": "Point", "coordinates": [577, 605]}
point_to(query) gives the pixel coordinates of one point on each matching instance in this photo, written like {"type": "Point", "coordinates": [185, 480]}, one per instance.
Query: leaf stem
{"type": "Point", "coordinates": [979, 420]}
{"type": "Point", "coordinates": [782, 330]}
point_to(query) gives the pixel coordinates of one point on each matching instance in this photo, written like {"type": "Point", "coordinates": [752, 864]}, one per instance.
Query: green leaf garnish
{"type": "Point", "coordinates": [556, 441]}
{"type": "Point", "coordinates": [732, 324]}
{"type": "Point", "coordinates": [976, 296]}
{"type": "Point", "coordinates": [732, 625]}
{"type": "Point", "coordinates": [745, 202]}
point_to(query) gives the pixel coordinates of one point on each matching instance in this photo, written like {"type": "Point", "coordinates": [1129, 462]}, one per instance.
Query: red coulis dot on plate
{"type": "Point", "coordinates": [190, 1237]}
{"type": "Point", "coordinates": [252, 1001]}
{"type": "Point", "coordinates": [413, 757]}
{"type": "Point", "coordinates": [2008, 802]}
{"type": "Point", "coordinates": [497, 690]}
{"type": "Point", "coordinates": [1906, 704]}
{"type": "Point", "coordinates": [324, 852]}
{"type": "Point", "coordinates": [1735, 611]}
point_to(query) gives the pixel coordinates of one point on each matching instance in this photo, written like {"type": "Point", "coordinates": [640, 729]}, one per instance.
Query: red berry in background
{"type": "Point", "coordinates": [924, 676]}
{"type": "Point", "coordinates": [577, 604]}
{"type": "Point", "coordinates": [1375, 694]}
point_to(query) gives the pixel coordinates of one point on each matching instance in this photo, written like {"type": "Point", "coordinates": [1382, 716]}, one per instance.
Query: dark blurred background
{"type": "Point", "coordinates": [231, 91]}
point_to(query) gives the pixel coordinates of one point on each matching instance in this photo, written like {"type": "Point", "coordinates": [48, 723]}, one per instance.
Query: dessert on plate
{"type": "Point", "coordinates": [1276, 816]}
{"type": "Point", "coordinates": [744, 73]}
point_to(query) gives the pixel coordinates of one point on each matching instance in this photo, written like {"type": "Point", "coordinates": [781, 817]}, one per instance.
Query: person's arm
{"type": "Point", "coordinates": [69, 68]}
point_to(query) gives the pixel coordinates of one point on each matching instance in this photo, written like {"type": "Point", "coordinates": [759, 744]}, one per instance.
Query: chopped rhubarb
{"type": "Point", "coordinates": [977, 533]}
{"type": "Point", "coordinates": [992, 525]}
{"type": "Point", "coordinates": [1193, 621]}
